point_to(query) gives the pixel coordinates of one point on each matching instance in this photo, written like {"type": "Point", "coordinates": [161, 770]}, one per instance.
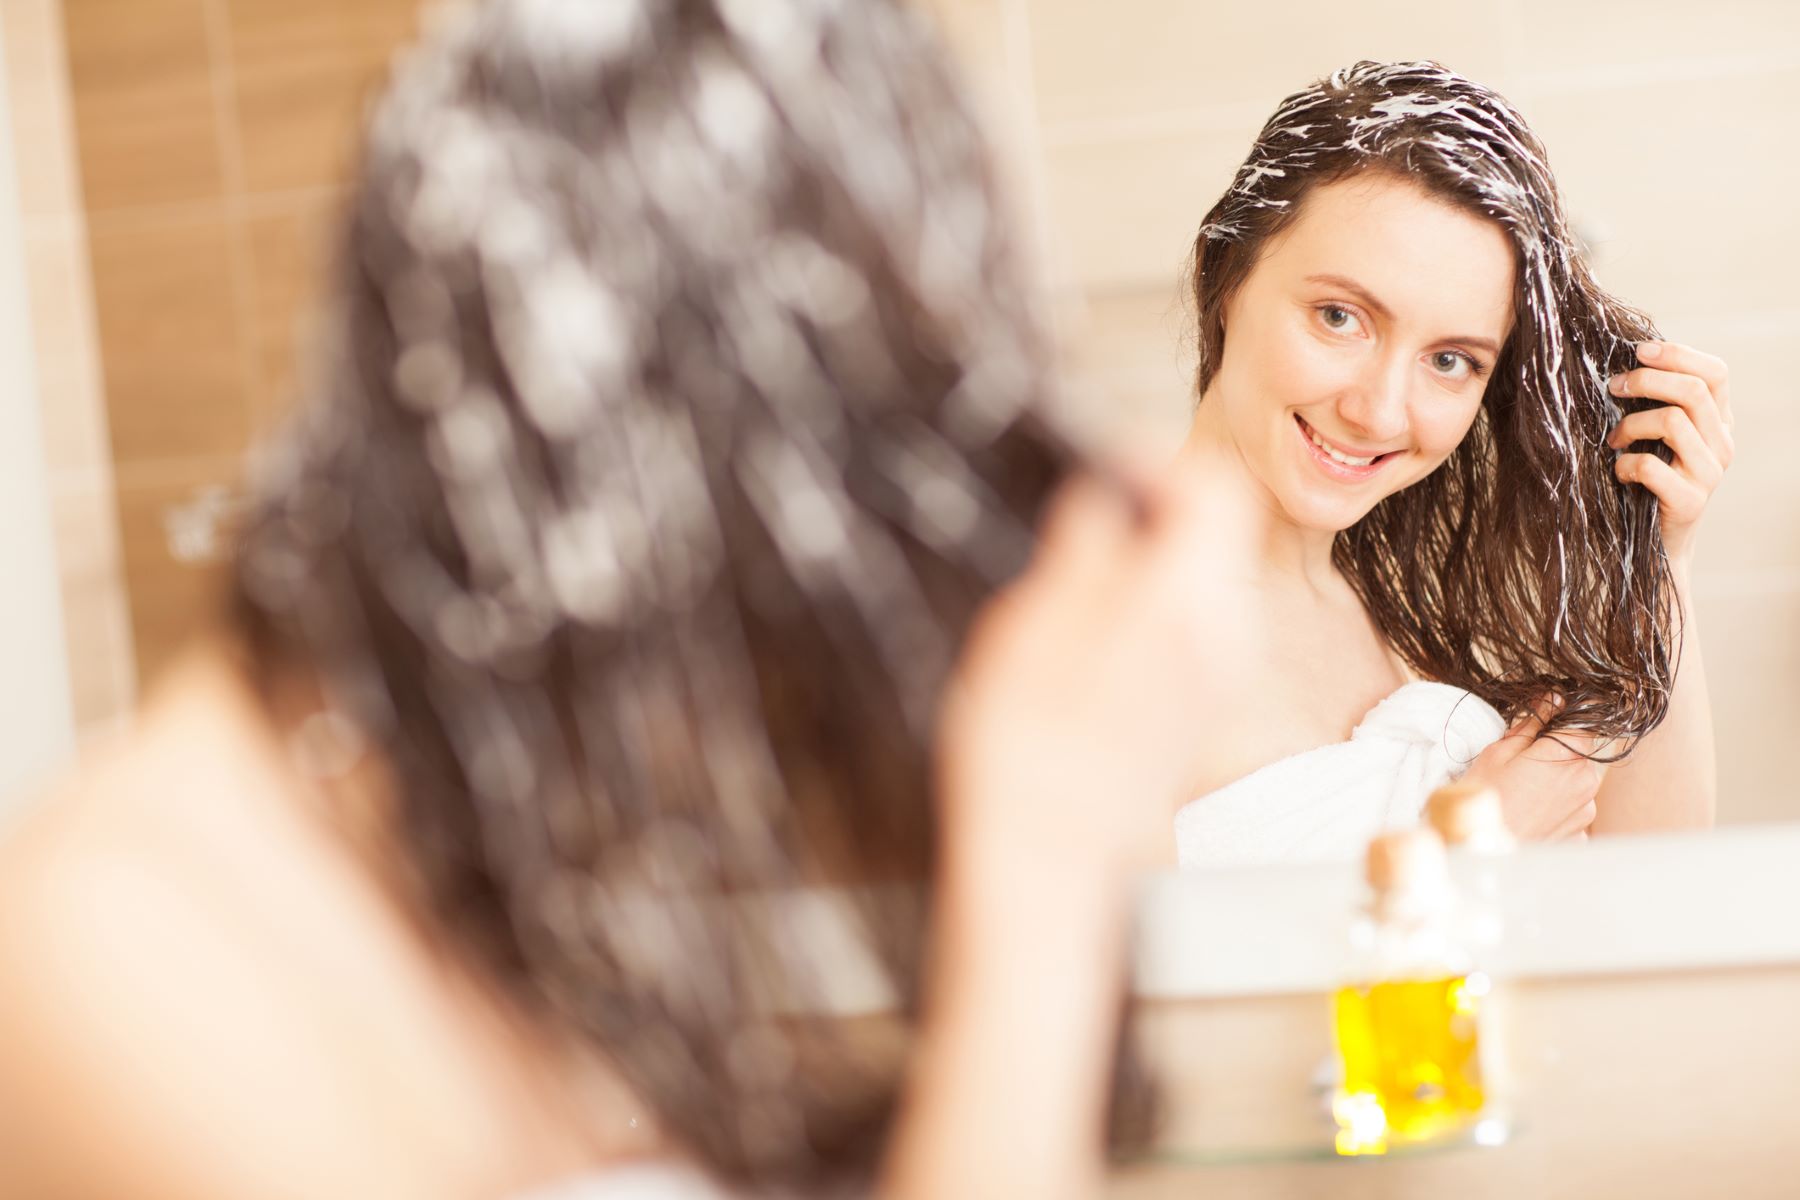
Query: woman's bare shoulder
{"type": "Point", "coordinates": [131, 1037]}
{"type": "Point", "coordinates": [73, 932]}
{"type": "Point", "coordinates": [1306, 675]}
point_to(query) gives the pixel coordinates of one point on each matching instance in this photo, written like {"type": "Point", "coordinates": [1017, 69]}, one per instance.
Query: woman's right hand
{"type": "Point", "coordinates": [1065, 741]}
{"type": "Point", "coordinates": [1068, 733]}
{"type": "Point", "coordinates": [1546, 786]}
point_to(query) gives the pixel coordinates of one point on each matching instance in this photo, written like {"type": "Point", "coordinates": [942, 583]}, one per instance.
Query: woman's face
{"type": "Point", "coordinates": [1357, 350]}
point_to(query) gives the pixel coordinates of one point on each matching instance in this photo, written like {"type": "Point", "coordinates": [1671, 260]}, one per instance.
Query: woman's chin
{"type": "Point", "coordinates": [1322, 514]}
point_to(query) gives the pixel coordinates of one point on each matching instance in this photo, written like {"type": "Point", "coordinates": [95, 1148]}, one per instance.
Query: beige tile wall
{"type": "Point", "coordinates": [1672, 128]}
{"type": "Point", "coordinates": [142, 83]}
{"type": "Point", "coordinates": [182, 160]}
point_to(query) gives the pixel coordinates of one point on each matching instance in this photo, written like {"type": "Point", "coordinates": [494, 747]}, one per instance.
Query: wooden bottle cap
{"type": "Point", "coordinates": [1467, 813]}
{"type": "Point", "coordinates": [1407, 860]}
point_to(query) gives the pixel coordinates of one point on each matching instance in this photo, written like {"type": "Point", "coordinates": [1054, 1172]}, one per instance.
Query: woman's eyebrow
{"type": "Point", "coordinates": [1381, 310]}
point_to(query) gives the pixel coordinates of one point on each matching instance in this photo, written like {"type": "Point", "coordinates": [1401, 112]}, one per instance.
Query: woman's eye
{"type": "Point", "coordinates": [1338, 318]}
{"type": "Point", "coordinates": [1450, 363]}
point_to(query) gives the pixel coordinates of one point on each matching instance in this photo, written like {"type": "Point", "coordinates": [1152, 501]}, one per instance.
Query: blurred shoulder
{"type": "Point", "coordinates": [70, 931]}
{"type": "Point", "coordinates": [125, 1049]}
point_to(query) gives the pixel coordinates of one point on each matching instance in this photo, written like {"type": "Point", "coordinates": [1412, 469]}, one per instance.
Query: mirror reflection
{"type": "Point", "coordinates": [737, 599]}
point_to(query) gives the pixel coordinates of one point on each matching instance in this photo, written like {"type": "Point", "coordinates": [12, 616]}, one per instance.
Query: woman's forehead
{"type": "Point", "coordinates": [1419, 254]}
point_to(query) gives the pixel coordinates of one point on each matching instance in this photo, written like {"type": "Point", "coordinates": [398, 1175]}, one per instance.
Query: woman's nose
{"type": "Point", "coordinates": [1374, 407]}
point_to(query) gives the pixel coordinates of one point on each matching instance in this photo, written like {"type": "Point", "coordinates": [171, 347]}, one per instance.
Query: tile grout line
{"type": "Point", "coordinates": [236, 212]}
{"type": "Point", "coordinates": [1735, 583]}
{"type": "Point", "coordinates": [139, 218]}
{"type": "Point", "coordinates": [148, 473]}
{"type": "Point", "coordinates": [1021, 67]}
{"type": "Point", "coordinates": [1231, 116]}
{"type": "Point", "coordinates": [1515, 42]}
{"type": "Point", "coordinates": [1687, 70]}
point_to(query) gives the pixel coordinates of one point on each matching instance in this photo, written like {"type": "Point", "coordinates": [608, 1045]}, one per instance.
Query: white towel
{"type": "Point", "coordinates": [637, 1181]}
{"type": "Point", "coordinates": [1326, 804]}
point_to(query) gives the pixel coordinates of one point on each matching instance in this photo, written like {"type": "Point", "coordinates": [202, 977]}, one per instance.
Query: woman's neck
{"type": "Point", "coordinates": [1283, 553]}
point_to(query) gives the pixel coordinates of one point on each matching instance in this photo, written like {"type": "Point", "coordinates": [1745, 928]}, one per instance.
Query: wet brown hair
{"type": "Point", "coordinates": [682, 403]}
{"type": "Point", "coordinates": [1522, 566]}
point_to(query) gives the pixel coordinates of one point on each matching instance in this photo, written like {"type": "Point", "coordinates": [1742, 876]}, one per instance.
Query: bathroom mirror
{"type": "Point", "coordinates": [174, 207]}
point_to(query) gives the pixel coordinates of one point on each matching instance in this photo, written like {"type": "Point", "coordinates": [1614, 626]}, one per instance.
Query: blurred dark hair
{"type": "Point", "coordinates": [1522, 565]}
{"type": "Point", "coordinates": [681, 403]}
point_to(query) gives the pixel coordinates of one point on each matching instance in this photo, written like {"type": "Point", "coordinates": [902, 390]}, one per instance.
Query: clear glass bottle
{"type": "Point", "coordinates": [1409, 1020]}
{"type": "Point", "coordinates": [1469, 818]}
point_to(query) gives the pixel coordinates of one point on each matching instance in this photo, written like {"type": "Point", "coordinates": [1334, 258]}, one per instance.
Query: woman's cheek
{"type": "Point", "coordinates": [1443, 432]}
{"type": "Point", "coordinates": [1315, 374]}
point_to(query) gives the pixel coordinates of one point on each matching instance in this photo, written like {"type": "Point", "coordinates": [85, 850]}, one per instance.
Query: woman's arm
{"type": "Point", "coordinates": [1671, 779]}
{"type": "Point", "coordinates": [1010, 1078]}
{"type": "Point", "coordinates": [1065, 744]}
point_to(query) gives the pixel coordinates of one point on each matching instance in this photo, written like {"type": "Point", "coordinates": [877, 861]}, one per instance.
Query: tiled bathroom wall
{"type": "Point", "coordinates": [213, 138]}
{"type": "Point", "coordinates": [183, 159]}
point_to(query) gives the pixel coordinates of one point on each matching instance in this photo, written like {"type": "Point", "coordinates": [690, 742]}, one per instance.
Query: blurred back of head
{"type": "Point", "coordinates": [679, 406]}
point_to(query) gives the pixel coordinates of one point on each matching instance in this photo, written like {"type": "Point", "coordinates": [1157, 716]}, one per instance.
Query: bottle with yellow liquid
{"type": "Point", "coordinates": [1409, 1024]}
{"type": "Point", "coordinates": [1469, 817]}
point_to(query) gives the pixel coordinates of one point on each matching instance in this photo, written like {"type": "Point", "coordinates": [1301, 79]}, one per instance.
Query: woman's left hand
{"type": "Point", "coordinates": [1695, 423]}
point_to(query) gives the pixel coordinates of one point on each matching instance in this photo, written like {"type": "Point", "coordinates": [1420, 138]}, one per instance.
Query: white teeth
{"type": "Point", "coordinates": [1335, 456]}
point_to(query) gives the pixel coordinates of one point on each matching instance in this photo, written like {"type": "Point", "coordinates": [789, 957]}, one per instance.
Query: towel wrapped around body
{"type": "Point", "coordinates": [1326, 803]}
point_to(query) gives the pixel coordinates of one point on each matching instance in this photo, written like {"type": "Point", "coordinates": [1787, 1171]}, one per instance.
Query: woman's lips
{"type": "Point", "coordinates": [1332, 467]}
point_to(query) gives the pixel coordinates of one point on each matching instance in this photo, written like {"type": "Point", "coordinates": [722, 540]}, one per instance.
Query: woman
{"type": "Point", "coordinates": [1477, 480]}
{"type": "Point", "coordinates": [681, 412]}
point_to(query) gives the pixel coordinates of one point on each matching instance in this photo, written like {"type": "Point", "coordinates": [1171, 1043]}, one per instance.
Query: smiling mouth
{"type": "Point", "coordinates": [1332, 455]}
